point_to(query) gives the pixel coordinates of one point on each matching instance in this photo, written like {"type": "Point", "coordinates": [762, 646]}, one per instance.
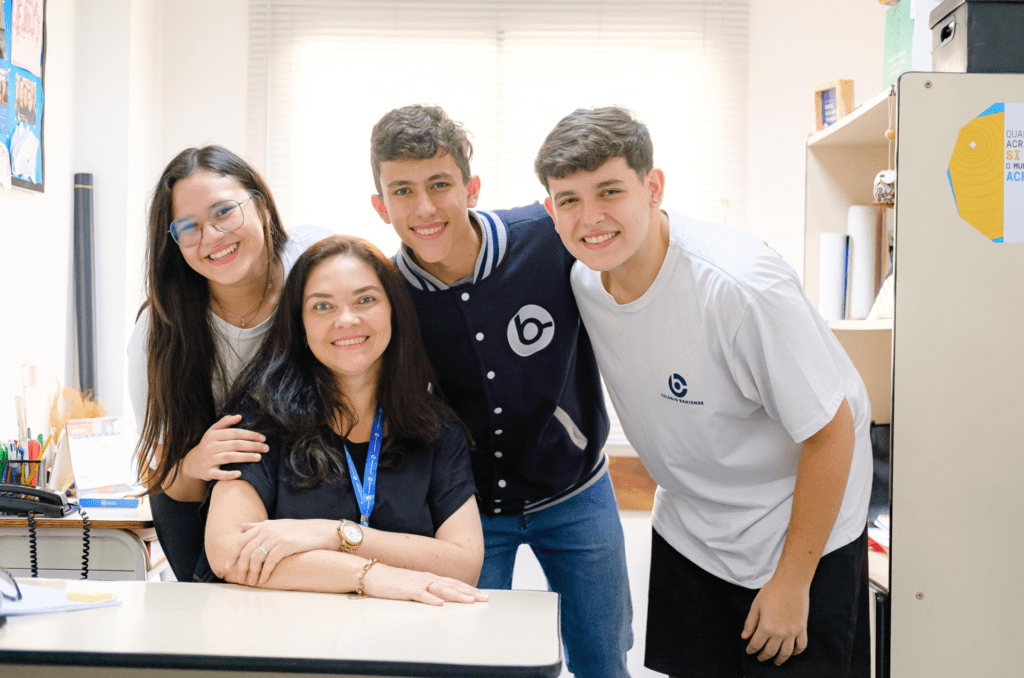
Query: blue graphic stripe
{"type": "Point", "coordinates": [951, 189]}
{"type": "Point", "coordinates": [994, 108]}
{"type": "Point", "coordinates": [999, 239]}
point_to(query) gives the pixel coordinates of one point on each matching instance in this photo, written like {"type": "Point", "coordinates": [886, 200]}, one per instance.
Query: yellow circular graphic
{"type": "Point", "coordinates": [976, 174]}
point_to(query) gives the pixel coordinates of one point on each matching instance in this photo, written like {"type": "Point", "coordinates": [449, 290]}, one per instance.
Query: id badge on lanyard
{"type": "Point", "coordinates": [366, 487]}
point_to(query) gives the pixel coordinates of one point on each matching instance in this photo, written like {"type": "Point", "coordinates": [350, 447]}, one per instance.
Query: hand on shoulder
{"type": "Point", "coordinates": [223, 444]}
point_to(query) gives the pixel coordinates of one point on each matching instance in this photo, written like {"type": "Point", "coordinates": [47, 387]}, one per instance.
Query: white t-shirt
{"type": "Point", "coordinates": [235, 345]}
{"type": "Point", "coordinates": [718, 373]}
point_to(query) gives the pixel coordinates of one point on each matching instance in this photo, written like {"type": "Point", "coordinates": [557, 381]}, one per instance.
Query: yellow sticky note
{"type": "Point", "coordinates": [82, 597]}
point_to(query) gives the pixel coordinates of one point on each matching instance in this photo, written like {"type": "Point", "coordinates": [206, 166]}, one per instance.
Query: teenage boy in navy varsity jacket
{"type": "Point", "coordinates": [503, 331]}
{"type": "Point", "coordinates": [742, 405]}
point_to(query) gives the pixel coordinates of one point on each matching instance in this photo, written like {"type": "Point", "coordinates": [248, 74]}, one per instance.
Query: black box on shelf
{"type": "Point", "coordinates": [978, 36]}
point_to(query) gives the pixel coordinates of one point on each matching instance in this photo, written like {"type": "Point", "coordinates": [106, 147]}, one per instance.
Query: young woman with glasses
{"type": "Point", "coordinates": [217, 255]}
{"type": "Point", "coordinates": [367, 485]}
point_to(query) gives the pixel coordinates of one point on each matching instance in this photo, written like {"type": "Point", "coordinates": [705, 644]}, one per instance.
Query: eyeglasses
{"type": "Point", "coordinates": [8, 587]}
{"type": "Point", "coordinates": [225, 216]}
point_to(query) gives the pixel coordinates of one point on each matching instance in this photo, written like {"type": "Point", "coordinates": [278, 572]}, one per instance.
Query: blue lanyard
{"type": "Point", "coordinates": [365, 490]}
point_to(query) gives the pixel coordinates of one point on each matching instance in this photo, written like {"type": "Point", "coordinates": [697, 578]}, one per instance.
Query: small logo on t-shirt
{"type": "Point", "coordinates": [677, 385]}
{"type": "Point", "coordinates": [531, 329]}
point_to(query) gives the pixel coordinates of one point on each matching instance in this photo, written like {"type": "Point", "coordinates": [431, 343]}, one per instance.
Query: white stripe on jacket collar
{"type": "Point", "coordinates": [493, 245]}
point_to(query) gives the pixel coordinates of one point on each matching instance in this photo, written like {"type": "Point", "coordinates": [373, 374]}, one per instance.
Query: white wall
{"type": "Point", "coordinates": [35, 237]}
{"type": "Point", "coordinates": [205, 56]}
{"type": "Point", "coordinates": [796, 45]}
{"type": "Point", "coordinates": [128, 84]}
{"type": "Point", "coordinates": [116, 138]}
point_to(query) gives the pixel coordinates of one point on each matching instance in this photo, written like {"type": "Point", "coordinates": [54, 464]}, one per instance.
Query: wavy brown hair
{"type": "Point", "coordinates": [183, 357]}
{"type": "Point", "coordinates": [588, 138]}
{"type": "Point", "coordinates": [295, 398]}
{"type": "Point", "coordinates": [418, 132]}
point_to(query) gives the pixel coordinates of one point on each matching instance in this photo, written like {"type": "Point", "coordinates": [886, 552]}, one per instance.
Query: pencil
{"type": "Point", "coordinates": [53, 429]}
{"type": "Point", "coordinates": [42, 452]}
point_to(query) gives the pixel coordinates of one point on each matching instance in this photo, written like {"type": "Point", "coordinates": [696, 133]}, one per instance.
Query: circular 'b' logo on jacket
{"type": "Point", "coordinates": [677, 385]}
{"type": "Point", "coordinates": [531, 329]}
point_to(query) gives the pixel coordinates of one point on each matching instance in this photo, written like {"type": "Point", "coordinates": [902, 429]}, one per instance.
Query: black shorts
{"type": "Point", "coordinates": [694, 620]}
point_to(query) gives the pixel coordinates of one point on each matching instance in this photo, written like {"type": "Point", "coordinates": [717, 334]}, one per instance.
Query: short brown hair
{"type": "Point", "coordinates": [588, 138]}
{"type": "Point", "coordinates": [418, 132]}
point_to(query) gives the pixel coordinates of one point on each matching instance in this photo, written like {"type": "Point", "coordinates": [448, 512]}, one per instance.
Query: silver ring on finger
{"type": "Point", "coordinates": [265, 551]}
{"type": "Point", "coordinates": [427, 589]}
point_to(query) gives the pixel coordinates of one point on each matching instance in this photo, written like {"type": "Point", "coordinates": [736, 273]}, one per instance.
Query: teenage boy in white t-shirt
{"type": "Point", "coordinates": [742, 405]}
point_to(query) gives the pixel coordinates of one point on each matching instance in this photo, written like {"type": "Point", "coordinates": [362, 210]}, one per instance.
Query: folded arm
{"type": "Point", "coordinates": [316, 565]}
{"type": "Point", "coordinates": [457, 550]}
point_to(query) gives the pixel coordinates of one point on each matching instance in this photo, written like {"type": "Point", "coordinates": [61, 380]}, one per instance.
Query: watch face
{"type": "Point", "coordinates": [353, 533]}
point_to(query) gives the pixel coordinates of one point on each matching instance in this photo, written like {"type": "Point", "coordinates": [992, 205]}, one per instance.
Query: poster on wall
{"type": "Point", "coordinates": [22, 57]}
{"type": "Point", "coordinates": [986, 172]}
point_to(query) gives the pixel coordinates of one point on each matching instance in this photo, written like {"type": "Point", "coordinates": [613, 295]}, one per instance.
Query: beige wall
{"type": "Point", "coordinates": [796, 45]}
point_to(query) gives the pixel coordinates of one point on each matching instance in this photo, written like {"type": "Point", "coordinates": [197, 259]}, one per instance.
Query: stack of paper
{"type": "Point", "coordinates": [40, 600]}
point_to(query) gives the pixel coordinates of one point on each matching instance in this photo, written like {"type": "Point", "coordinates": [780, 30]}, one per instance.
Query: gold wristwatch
{"type": "Point", "coordinates": [351, 535]}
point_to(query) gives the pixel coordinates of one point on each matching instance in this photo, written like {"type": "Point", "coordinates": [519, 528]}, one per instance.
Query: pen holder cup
{"type": "Point", "coordinates": [27, 473]}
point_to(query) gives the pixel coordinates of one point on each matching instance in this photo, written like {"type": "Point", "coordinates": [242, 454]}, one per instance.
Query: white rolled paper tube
{"type": "Point", "coordinates": [862, 227]}
{"type": "Point", "coordinates": [832, 268]}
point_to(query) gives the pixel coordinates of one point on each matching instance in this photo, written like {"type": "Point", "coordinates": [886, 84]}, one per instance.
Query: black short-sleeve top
{"type": "Point", "coordinates": [414, 497]}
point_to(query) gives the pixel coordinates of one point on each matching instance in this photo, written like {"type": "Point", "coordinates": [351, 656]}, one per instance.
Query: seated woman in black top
{"type": "Point", "coordinates": [341, 375]}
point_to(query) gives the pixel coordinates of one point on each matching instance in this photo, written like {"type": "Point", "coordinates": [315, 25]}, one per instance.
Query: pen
{"type": "Point", "coordinates": [22, 468]}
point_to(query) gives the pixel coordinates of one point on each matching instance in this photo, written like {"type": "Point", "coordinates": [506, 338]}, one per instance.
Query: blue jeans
{"type": "Point", "coordinates": [579, 545]}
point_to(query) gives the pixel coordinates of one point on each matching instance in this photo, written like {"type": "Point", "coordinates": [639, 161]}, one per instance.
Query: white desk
{"type": "Point", "coordinates": [165, 629]}
{"type": "Point", "coordinates": [117, 544]}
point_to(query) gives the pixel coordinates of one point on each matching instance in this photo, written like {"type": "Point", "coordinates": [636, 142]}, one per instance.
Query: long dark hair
{"type": "Point", "coordinates": [183, 357]}
{"type": "Point", "coordinates": [297, 398]}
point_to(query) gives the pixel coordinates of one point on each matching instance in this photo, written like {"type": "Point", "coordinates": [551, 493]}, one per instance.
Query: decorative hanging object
{"type": "Point", "coordinates": [884, 187]}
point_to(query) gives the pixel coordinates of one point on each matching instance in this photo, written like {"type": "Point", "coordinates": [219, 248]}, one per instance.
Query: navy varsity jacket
{"type": "Point", "coordinates": [514, 360]}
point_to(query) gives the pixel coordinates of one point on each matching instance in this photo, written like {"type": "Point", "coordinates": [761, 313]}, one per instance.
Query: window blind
{"type": "Point", "coordinates": [322, 73]}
